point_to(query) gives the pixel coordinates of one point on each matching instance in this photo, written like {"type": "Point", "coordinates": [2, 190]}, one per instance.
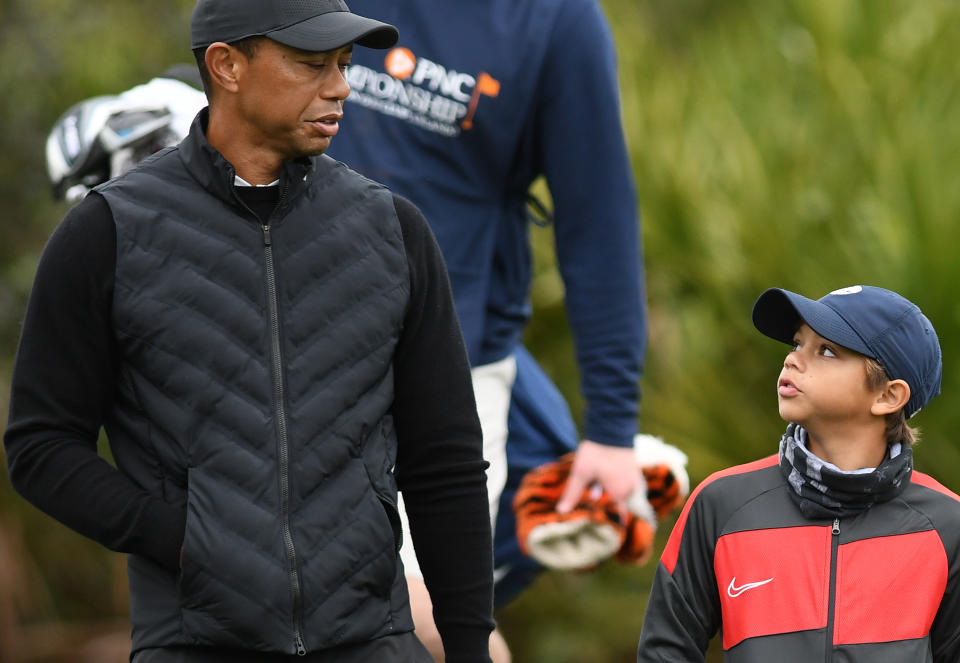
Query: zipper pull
{"type": "Point", "coordinates": [301, 650]}
{"type": "Point", "coordinates": [266, 236]}
{"type": "Point", "coordinates": [836, 526]}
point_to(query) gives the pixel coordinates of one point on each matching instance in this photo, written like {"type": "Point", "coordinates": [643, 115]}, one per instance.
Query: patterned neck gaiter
{"type": "Point", "coordinates": [822, 490]}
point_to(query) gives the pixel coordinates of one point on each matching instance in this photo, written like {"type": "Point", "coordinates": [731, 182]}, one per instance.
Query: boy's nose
{"type": "Point", "coordinates": [792, 360]}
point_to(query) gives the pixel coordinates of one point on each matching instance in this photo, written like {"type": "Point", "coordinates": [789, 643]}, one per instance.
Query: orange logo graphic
{"type": "Point", "coordinates": [487, 85]}
{"type": "Point", "coordinates": [449, 94]}
{"type": "Point", "coordinates": [400, 62]}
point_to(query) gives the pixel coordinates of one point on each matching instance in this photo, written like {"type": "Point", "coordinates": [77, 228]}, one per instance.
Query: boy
{"type": "Point", "coordinates": [834, 549]}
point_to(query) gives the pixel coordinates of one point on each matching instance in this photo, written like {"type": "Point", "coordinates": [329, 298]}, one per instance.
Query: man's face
{"type": "Point", "coordinates": [823, 386]}
{"type": "Point", "coordinates": [292, 100]}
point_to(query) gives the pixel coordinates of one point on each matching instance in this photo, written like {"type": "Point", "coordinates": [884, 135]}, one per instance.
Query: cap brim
{"type": "Point", "coordinates": [333, 30]}
{"type": "Point", "coordinates": [777, 313]}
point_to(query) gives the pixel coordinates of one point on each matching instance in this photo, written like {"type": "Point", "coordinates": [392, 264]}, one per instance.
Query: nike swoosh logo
{"type": "Point", "coordinates": [733, 591]}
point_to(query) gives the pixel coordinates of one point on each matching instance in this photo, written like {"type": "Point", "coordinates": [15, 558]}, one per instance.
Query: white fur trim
{"type": "Point", "coordinates": [573, 544]}
{"type": "Point", "coordinates": [650, 450]}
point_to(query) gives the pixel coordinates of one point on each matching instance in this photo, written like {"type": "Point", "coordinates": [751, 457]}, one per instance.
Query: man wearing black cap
{"type": "Point", "coordinates": [834, 549]}
{"type": "Point", "coordinates": [270, 342]}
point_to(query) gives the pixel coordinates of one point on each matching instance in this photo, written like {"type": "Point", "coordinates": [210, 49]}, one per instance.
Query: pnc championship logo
{"type": "Point", "coordinates": [421, 91]}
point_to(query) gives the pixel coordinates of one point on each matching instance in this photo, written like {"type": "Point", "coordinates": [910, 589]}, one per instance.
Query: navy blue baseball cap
{"type": "Point", "coordinates": [875, 322]}
{"type": "Point", "coordinates": [310, 25]}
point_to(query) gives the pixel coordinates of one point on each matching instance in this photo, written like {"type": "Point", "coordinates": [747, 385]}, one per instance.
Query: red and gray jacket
{"type": "Point", "coordinates": [880, 586]}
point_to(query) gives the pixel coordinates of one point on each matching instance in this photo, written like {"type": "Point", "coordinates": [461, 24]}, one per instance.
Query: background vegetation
{"type": "Point", "coordinates": [808, 144]}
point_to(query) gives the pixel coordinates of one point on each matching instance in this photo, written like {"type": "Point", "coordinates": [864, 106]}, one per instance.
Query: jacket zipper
{"type": "Point", "coordinates": [284, 450]}
{"type": "Point", "coordinates": [834, 546]}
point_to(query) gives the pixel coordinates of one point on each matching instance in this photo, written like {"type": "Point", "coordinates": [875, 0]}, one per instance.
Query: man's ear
{"type": "Point", "coordinates": [224, 64]}
{"type": "Point", "coordinates": [893, 397]}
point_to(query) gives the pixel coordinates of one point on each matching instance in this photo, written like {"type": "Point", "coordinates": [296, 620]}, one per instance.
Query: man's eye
{"type": "Point", "coordinates": [828, 352]}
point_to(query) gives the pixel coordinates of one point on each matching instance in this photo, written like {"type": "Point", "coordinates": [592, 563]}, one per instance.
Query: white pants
{"type": "Point", "coordinates": [492, 384]}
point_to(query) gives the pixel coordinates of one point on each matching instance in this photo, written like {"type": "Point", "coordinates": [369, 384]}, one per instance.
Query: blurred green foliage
{"type": "Point", "coordinates": [807, 144]}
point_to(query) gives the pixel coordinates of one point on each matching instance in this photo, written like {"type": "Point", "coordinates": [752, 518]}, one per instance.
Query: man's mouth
{"type": "Point", "coordinates": [328, 124]}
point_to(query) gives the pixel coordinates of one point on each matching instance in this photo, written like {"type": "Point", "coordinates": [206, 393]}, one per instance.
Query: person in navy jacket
{"type": "Point", "coordinates": [474, 103]}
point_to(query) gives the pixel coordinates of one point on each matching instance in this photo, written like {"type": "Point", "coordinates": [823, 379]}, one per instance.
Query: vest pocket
{"type": "Point", "coordinates": [393, 515]}
{"type": "Point", "coordinates": [233, 589]}
{"type": "Point", "coordinates": [386, 519]}
{"type": "Point", "coordinates": [349, 561]}
{"type": "Point", "coordinates": [378, 456]}
{"type": "Point", "coordinates": [187, 572]}
{"type": "Point", "coordinates": [389, 505]}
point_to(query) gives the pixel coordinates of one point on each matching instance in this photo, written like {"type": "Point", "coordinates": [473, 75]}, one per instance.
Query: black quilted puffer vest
{"type": "Point", "coordinates": [254, 391]}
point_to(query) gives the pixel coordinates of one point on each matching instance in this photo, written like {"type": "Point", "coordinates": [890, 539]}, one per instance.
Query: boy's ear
{"type": "Point", "coordinates": [893, 397]}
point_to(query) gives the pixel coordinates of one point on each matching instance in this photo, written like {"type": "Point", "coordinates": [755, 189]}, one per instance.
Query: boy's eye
{"type": "Point", "coordinates": [795, 346]}
{"type": "Point", "coordinates": [828, 352]}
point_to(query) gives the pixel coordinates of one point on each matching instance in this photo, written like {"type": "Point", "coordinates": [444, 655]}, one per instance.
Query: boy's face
{"type": "Point", "coordinates": [823, 386]}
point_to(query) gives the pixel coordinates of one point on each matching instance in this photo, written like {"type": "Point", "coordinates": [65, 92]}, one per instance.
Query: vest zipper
{"type": "Point", "coordinates": [834, 547]}
{"type": "Point", "coordinates": [284, 449]}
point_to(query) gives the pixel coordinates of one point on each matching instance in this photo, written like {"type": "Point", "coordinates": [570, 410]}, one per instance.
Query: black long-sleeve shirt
{"type": "Point", "coordinates": [62, 390]}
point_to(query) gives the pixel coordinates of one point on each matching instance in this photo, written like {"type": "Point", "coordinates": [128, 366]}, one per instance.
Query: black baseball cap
{"type": "Point", "coordinates": [310, 25]}
{"type": "Point", "coordinates": [875, 322]}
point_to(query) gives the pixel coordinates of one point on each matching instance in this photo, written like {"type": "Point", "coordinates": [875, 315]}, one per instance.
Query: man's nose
{"type": "Point", "coordinates": [339, 88]}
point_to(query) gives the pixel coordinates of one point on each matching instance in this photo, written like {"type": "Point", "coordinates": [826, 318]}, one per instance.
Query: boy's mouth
{"type": "Point", "coordinates": [786, 388]}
